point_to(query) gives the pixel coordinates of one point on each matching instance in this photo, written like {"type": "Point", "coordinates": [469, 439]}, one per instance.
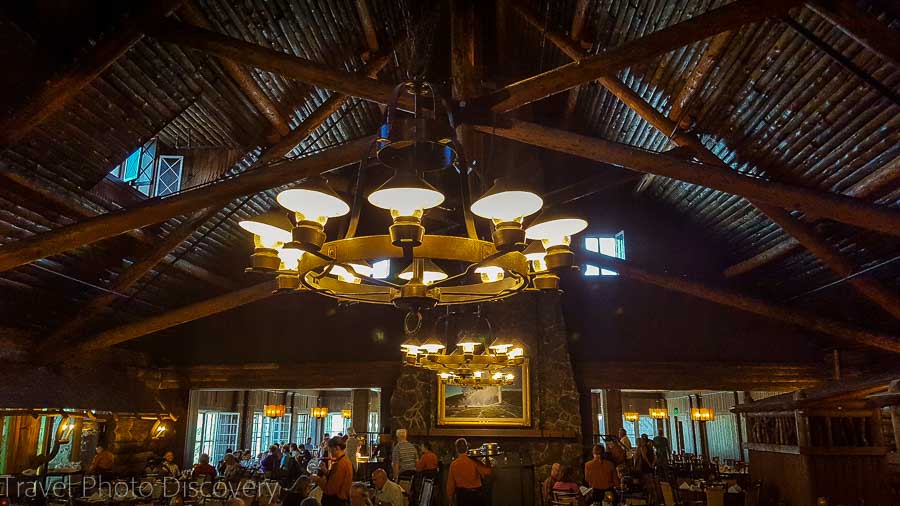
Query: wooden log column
{"type": "Point", "coordinates": [612, 410]}
{"type": "Point", "coordinates": [360, 407]}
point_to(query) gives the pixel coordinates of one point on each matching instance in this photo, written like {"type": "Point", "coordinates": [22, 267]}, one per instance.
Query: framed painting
{"type": "Point", "coordinates": [508, 405]}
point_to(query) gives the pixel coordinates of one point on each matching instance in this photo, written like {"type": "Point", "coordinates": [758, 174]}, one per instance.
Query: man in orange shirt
{"type": "Point", "coordinates": [464, 478]}
{"type": "Point", "coordinates": [428, 461]}
{"type": "Point", "coordinates": [601, 475]}
{"type": "Point", "coordinates": [336, 482]}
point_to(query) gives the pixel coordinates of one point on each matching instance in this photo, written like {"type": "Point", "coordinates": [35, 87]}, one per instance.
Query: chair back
{"type": "Point", "coordinates": [559, 498]}
{"type": "Point", "coordinates": [667, 493]}
{"type": "Point", "coordinates": [715, 496]}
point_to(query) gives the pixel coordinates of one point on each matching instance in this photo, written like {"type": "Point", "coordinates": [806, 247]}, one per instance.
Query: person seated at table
{"type": "Point", "coordinates": [600, 474]}
{"type": "Point", "coordinates": [220, 465]}
{"type": "Point", "coordinates": [298, 492]}
{"type": "Point", "coordinates": [566, 485]}
{"type": "Point", "coordinates": [203, 470]}
{"type": "Point", "coordinates": [270, 461]}
{"type": "Point", "coordinates": [547, 486]}
{"type": "Point", "coordinates": [387, 493]}
{"type": "Point", "coordinates": [627, 484]}
{"type": "Point", "coordinates": [290, 468]}
{"type": "Point", "coordinates": [232, 470]}
{"type": "Point", "coordinates": [168, 466]}
{"type": "Point", "coordinates": [303, 457]}
{"type": "Point", "coordinates": [309, 501]}
{"type": "Point", "coordinates": [102, 463]}
{"type": "Point", "coordinates": [359, 494]}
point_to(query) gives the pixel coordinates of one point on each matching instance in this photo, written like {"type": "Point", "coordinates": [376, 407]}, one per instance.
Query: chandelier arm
{"type": "Point", "coordinates": [356, 209]}
{"type": "Point", "coordinates": [469, 269]}
{"type": "Point", "coordinates": [466, 196]}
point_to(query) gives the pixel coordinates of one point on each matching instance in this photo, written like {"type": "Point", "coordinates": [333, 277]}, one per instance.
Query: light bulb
{"type": "Point", "coordinates": [289, 258]}
{"type": "Point", "coordinates": [497, 376]}
{"type": "Point", "coordinates": [265, 235]}
{"type": "Point", "coordinates": [515, 352]}
{"type": "Point", "coordinates": [431, 274]}
{"type": "Point", "coordinates": [432, 346]}
{"type": "Point", "coordinates": [344, 275]}
{"type": "Point", "coordinates": [478, 374]}
{"type": "Point", "coordinates": [510, 377]}
{"type": "Point", "coordinates": [313, 204]}
{"type": "Point", "coordinates": [490, 273]}
{"type": "Point", "coordinates": [445, 375]}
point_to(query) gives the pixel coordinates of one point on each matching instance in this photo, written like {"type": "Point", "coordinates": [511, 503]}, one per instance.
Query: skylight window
{"type": "Point", "coordinates": [609, 245]}
{"type": "Point", "coordinates": [152, 175]}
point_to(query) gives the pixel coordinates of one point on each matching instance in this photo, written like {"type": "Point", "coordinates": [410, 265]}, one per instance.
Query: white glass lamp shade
{"type": "Point", "coordinates": [267, 235]}
{"type": "Point", "coordinates": [467, 344]}
{"type": "Point", "coordinates": [432, 273]}
{"type": "Point", "coordinates": [505, 202]}
{"type": "Point", "coordinates": [313, 204]}
{"type": "Point", "coordinates": [554, 229]}
{"type": "Point", "coordinates": [406, 194]}
{"type": "Point", "coordinates": [432, 345]}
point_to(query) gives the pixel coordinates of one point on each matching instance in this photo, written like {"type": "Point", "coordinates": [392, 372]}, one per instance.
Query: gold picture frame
{"type": "Point", "coordinates": [463, 415]}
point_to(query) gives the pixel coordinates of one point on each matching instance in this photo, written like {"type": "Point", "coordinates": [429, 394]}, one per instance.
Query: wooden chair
{"type": "Point", "coordinates": [668, 495]}
{"type": "Point", "coordinates": [558, 498]}
{"type": "Point", "coordinates": [715, 496]}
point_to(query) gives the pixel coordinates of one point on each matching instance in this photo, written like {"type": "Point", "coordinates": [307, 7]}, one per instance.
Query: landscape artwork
{"type": "Point", "coordinates": [508, 405]}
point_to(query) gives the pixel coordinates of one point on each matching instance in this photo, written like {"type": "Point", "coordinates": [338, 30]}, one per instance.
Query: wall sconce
{"type": "Point", "coordinates": [160, 428]}
{"type": "Point", "coordinates": [274, 410]}
{"type": "Point", "coordinates": [703, 414]}
{"type": "Point", "coordinates": [631, 416]}
{"type": "Point", "coordinates": [347, 414]}
{"type": "Point", "coordinates": [319, 412]}
{"type": "Point", "coordinates": [659, 413]}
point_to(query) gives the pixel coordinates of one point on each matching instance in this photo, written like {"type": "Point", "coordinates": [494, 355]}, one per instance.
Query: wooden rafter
{"type": "Point", "coordinates": [865, 30]}
{"type": "Point", "coordinates": [78, 207]}
{"type": "Point", "coordinates": [750, 304]}
{"type": "Point", "coordinates": [729, 17]}
{"type": "Point", "coordinates": [179, 316]}
{"type": "Point", "coordinates": [89, 312]}
{"type": "Point", "coordinates": [191, 13]}
{"type": "Point", "coordinates": [828, 255]}
{"type": "Point", "coordinates": [157, 210]}
{"type": "Point", "coordinates": [368, 24]}
{"type": "Point", "coordinates": [53, 95]}
{"type": "Point", "coordinates": [828, 205]}
{"type": "Point", "coordinates": [870, 187]}
{"type": "Point", "coordinates": [265, 58]}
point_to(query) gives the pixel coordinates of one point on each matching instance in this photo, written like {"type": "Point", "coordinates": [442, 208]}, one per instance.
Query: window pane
{"type": "Point", "coordinates": [131, 165]}
{"type": "Point", "coordinates": [168, 177]}
{"type": "Point", "coordinates": [591, 270]}
{"type": "Point", "coordinates": [381, 269]}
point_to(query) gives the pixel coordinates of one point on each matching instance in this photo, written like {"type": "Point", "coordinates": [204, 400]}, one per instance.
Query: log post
{"type": "Point", "coordinates": [865, 30]}
{"type": "Point", "coordinates": [464, 85]}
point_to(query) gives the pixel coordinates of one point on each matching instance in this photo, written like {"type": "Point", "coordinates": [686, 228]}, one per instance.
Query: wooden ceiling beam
{"type": "Point", "coordinates": [865, 30]}
{"type": "Point", "coordinates": [805, 235]}
{"type": "Point", "coordinates": [368, 24]}
{"type": "Point", "coordinates": [747, 303]}
{"type": "Point", "coordinates": [871, 187]}
{"type": "Point", "coordinates": [465, 85]}
{"type": "Point", "coordinates": [728, 17]}
{"type": "Point", "coordinates": [828, 205]}
{"type": "Point", "coordinates": [157, 210]}
{"type": "Point", "coordinates": [191, 13]}
{"type": "Point", "coordinates": [178, 316]}
{"type": "Point", "coordinates": [58, 91]}
{"type": "Point", "coordinates": [287, 65]}
{"type": "Point", "coordinates": [88, 312]}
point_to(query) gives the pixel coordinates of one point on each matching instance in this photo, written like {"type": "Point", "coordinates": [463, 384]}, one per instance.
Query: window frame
{"type": "Point", "coordinates": [618, 239]}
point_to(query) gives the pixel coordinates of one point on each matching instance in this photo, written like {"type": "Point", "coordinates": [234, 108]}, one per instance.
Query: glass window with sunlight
{"type": "Point", "coordinates": [216, 432]}
{"type": "Point", "coordinates": [268, 431]}
{"type": "Point", "coordinates": [609, 245]}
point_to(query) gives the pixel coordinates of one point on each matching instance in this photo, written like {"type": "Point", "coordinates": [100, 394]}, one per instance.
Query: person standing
{"type": "Point", "coordinates": [404, 457]}
{"type": "Point", "coordinates": [626, 443]}
{"type": "Point", "coordinates": [601, 475]}
{"type": "Point", "coordinates": [464, 481]}
{"type": "Point", "coordinates": [103, 462]}
{"type": "Point", "coordinates": [352, 447]}
{"type": "Point", "coordinates": [336, 482]}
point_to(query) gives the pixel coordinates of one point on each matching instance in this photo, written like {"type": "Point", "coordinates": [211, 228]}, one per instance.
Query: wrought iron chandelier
{"type": "Point", "coordinates": [291, 244]}
{"type": "Point", "coordinates": [480, 359]}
